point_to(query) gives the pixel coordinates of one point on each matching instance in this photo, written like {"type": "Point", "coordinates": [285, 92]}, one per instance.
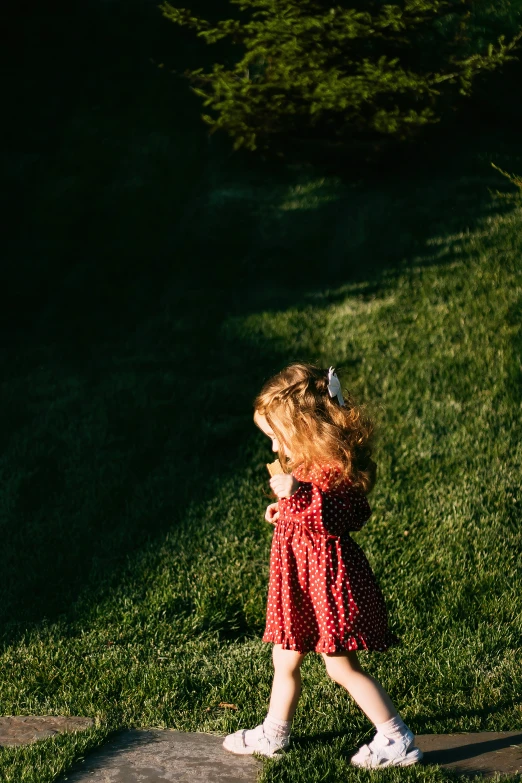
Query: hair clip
{"type": "Point", "coordinates": [334, 386]}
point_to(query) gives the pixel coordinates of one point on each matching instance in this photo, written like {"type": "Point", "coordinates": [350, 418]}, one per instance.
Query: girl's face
{"type": "Point", "coordinates": [265, 427]}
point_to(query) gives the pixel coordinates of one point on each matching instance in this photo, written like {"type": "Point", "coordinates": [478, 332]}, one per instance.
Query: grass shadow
{"type": "Point", "coordinates": [120, 399]}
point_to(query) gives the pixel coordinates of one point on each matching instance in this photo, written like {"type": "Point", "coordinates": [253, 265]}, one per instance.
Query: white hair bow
{"type": "Point", "coordinates": [334, 387]}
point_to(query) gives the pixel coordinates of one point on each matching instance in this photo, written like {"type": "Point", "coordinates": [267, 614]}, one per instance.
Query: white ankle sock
{"type": "Point", "coordinates": [275, 728]}
{"type": "Point", "coordinates": [393, 729]}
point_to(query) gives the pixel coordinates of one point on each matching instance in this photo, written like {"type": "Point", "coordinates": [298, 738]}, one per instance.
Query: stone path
{"type": "Point", "coordinates": [157, 756]}
{"type": "Point", "coordinates": [23, 729]}
{"type": "Point", "coordinates": [163, 756]}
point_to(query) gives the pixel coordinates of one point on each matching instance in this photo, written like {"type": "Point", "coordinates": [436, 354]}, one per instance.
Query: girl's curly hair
{"type": "Point", "coordinates": [314, 427]}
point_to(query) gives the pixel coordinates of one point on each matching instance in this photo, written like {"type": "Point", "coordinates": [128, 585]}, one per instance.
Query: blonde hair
{"type": "Point", "coordinates": [314, 427]}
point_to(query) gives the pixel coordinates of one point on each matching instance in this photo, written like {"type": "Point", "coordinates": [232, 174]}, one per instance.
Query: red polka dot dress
{"type": "Point", "coordinates": [322, 593]}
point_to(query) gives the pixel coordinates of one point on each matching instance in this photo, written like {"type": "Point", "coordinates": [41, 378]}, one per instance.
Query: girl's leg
{"type": "Point", "coordinates": [365, 691]}
{"type": "Point", "coordinates": [286, 686]}
{"type": "Point", "coordinates": [393, 745]}
{"type": "Point", "coordinates": [273, 735]}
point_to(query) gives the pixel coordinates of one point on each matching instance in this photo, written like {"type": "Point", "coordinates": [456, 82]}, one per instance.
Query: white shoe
{"type": "Point", "coordinates": [236, 743]}
{"type": "Point", "coordinates": [384, 752]}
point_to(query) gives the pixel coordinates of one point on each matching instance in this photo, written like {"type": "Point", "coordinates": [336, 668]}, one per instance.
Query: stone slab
{"type": "Point", "coordinates": [163, 756]}
{"type": "Point", "coordinates": [483, 753]}
{"type": "Point", "coordinates": [24, 729]}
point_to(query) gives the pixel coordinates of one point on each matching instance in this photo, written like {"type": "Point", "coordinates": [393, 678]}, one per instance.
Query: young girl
{"type": "Point", "coordinates": [322, 594]}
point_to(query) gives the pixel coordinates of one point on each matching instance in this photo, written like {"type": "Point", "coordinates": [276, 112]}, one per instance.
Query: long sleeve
{"type": "Point", "coordinates": [319, 506]}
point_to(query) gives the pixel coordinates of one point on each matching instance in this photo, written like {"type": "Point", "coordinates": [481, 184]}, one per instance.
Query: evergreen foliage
{"type": "Point", "coordinates": [311, 69]}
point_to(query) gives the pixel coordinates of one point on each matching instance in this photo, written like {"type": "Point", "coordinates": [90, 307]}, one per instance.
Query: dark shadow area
{"type": "Point", "coordinates": [132, 238]}
{"type": "Point", "coordinates": [316, 739]}
{"type": "Point", "coordinates": [474, 754]}
{"type": "Point", "coordinates": [468, 750]}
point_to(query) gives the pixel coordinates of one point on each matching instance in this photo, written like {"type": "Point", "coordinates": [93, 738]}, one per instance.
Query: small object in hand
{"type": "Point", "coordinates": [274, 468]}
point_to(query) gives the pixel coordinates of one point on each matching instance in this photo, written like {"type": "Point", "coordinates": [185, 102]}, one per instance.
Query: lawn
{"type": "Point", "coordinates": [134, 550]}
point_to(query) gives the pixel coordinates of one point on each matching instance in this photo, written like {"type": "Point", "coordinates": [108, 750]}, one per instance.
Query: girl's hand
{"type": "Point", "coordinates": [283, 485]}
{"type": "Point", "coordinates": [272, 513]}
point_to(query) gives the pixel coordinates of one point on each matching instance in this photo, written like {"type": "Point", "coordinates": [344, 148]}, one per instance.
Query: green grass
{"type": "Point", "coordinates": [133, 489]}
{"type": "Point", "coordinates": [157, 283]}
